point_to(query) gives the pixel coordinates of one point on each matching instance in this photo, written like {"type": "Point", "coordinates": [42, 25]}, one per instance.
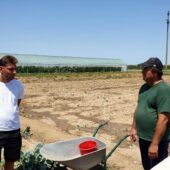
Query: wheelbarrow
{"type": "Point", "coordinates": [68, 154]}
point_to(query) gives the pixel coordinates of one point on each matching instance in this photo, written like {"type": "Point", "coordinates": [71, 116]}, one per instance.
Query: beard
{"type": "Point", "coordinates": [6, 77]}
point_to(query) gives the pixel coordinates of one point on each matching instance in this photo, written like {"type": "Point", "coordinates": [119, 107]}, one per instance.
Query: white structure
{"type": "Point", "coordinates": [164, 165]}
{"type": "Point", "coordinates": [50, 61]}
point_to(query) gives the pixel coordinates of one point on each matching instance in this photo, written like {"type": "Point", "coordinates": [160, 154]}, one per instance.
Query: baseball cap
{"type": "Point", "coordinates": [153, 62]}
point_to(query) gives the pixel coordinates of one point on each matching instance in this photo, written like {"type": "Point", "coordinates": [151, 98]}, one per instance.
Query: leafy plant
{"type": "Point", "coordinates": [32, 160]}
{"type": "Point", "coordinates": [26, 132]}
{"type": "Point", "coordinates": [35, 161]}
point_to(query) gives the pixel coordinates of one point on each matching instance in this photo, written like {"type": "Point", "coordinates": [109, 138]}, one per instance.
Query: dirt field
{"type": "Point", "coordinates": [61, 109]}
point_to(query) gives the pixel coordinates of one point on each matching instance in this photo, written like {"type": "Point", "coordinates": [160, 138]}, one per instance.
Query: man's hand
{"type": "Point", "coordinates": [133, 134]}
{"type": "Point", "coordinates": [153, 151]}
{"type": "Point", "coordinates": [161, 126]}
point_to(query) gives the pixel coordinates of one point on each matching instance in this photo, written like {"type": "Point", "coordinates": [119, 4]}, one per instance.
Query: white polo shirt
{"type": "Point", "coordinates": [10, 93]}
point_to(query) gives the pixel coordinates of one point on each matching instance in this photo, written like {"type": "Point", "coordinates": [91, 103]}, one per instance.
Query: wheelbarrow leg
{"type": "Point", "coordinates": [114, 148]}
{"type": "Point", "coordinates": [105, 166]}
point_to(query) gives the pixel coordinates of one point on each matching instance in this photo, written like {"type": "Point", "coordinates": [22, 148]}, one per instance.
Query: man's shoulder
{"type": "Point", "coordinates": [16, 82]}
{"type": "Point", "coordinates": [162, 89]}
{"type": "Point", "coordinates": [164, 85]}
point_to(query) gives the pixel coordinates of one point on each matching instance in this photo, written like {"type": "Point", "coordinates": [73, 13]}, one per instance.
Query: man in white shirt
{"type": "Point", "coordinates": [11, 93]}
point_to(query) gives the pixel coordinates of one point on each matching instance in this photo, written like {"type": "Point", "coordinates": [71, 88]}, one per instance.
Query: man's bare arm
{"type": "Point", "coordinates": [163, 119]}
{"type": "Point", "coordinates": [133, 128]}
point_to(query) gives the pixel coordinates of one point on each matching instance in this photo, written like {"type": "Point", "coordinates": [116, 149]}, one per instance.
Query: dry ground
{"type": "Point", "coordinates": [60, 109]}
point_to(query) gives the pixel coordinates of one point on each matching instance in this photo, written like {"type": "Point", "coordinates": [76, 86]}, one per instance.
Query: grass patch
{"type": "Point", "coordinates": [81, 76]}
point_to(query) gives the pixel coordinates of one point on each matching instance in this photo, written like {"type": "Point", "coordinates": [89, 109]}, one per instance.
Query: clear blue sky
{"type": "Point", "coordinates": [132, 30]}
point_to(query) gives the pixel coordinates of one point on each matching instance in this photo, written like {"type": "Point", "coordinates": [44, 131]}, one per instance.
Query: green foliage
{"type": "Point", "coordinates": [34, 161]}
{"type": "Point", "coordinates": [26, 132]}
{"type": "Point", "coordinates": [65, 69]}
{"type": "Point", "coordinates": [133, 67]}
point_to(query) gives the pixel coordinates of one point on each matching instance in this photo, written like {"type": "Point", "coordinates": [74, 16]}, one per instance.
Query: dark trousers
{"type": "Point", "coordinates": [162, 153]}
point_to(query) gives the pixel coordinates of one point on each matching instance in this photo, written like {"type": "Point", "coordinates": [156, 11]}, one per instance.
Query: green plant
{"type": "Point", "coordinates": [26, 132]}
{"type": "Point", "coordinates": [34, 161]}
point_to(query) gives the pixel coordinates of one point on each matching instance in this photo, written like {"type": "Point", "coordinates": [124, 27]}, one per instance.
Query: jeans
{"type": "Point", "coordinates": [162, 153]}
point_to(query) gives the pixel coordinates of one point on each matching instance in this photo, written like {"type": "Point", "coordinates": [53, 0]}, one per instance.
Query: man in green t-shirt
{"type": "Point", "coordinates": [151, 120]}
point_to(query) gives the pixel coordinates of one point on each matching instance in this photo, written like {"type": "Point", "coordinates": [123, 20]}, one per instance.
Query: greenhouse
{"type": "Point", "coordinates": [65, 61]}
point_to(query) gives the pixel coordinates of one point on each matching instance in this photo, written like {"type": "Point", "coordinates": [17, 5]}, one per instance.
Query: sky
{"type": "Point", "coordinates": [131, 30]}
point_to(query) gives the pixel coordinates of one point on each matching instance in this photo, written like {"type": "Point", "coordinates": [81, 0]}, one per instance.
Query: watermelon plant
{"type": "Point", "coordinates": [34, 161]}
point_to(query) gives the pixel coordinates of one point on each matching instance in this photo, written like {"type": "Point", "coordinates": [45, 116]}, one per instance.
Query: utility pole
{"type": "Point", "coordinates": [166, 54]}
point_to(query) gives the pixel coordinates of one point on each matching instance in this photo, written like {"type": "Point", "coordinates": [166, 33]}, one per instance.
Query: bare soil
{"type": "Point", "coordinates": [61, 109]}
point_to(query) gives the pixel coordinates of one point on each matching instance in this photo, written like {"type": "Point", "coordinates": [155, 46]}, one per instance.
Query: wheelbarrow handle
{"type": "Point", "coordinates": [114, 148]}
{"type": "Point", "coordinates": [97, 129]}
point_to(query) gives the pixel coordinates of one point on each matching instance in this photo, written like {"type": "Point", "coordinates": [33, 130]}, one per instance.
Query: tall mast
{"type": "Point", "coordinates": [166, 54]}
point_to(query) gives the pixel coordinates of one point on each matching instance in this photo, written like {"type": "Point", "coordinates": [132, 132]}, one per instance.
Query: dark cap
{"type": "Point", "coordinates": [153, 63]}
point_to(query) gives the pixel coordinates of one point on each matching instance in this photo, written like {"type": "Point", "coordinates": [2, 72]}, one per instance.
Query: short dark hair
{"type": "Point", "coordinates": [159, 73]}
{"type": "Point", "coordinates": [8, 59]}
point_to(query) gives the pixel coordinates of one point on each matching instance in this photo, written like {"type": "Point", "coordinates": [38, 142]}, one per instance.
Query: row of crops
{"type": "Point", "coordinates": [66, 69]}
{"type": "Point", "coordinates": [75, 69]}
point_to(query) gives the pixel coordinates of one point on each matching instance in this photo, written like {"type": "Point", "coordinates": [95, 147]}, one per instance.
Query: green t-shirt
{"type": "Point", "coordinates": [151, 101]}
